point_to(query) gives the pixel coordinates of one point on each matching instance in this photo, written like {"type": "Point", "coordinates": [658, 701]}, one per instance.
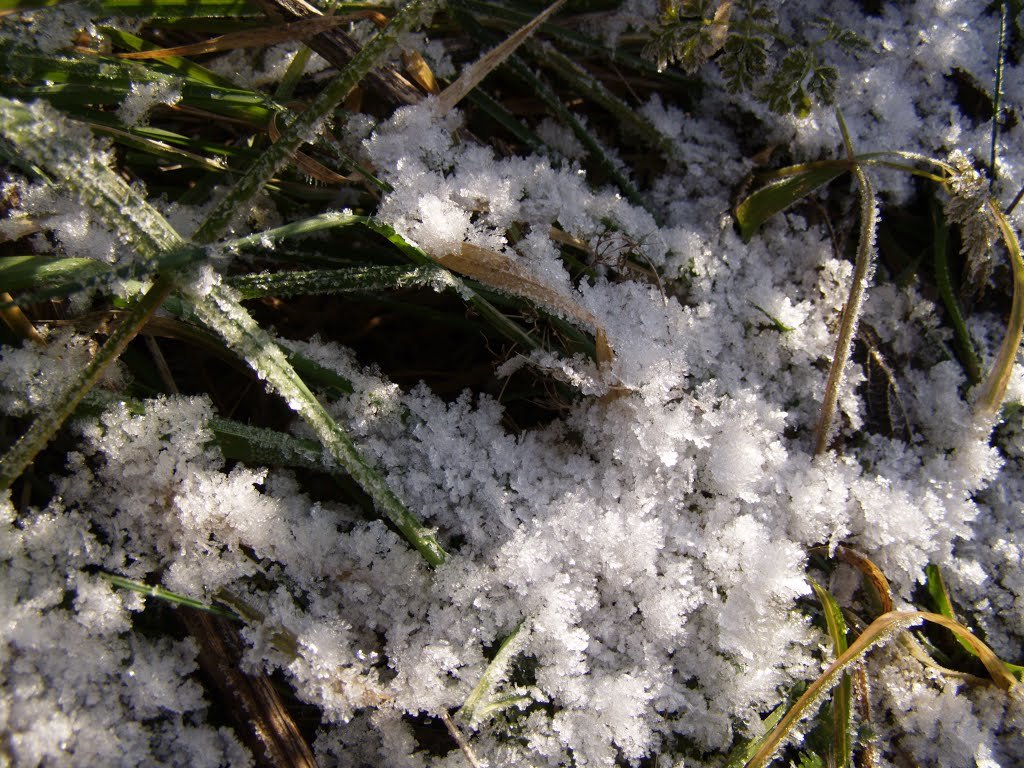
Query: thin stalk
{"type": "Point", "coordinates": [21, 454]}
{"type": "Point", "coordinates": [851, 312]}
{"type": "Point", "coordinates": [997, 96]}
{"type": "Point", "coordinates": [994, 388]}
{"type": "Point", "coordinates": [165, 594]}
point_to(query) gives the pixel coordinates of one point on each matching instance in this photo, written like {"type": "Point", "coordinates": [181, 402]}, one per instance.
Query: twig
{"type": "Point", "coordinates": [460, 739]}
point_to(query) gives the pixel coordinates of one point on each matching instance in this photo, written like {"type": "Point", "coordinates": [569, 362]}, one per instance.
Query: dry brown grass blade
{"type": "Point", "coordinates": [256, 38]}
{"type": "Point", "coordinates": [259, 714]}
{"type": "Point", "coordinates": [473, 74]}
{"type": "Point", "coordinates": [497, 271]}
{"type": "Point", "coordinates": [871, 572]}
{"type": "Point", "coordinates": [418, 69]}
{"type": "Point", "coordinates": [881, 630]}
{"type": "Point", "coordinates": [17, 321]}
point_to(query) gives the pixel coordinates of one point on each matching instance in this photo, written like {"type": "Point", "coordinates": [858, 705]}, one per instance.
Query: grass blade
{"type": "Point", "coordinates": [776, 197]}
{"type": "Point", "coordinates": [993, 390]}
{"type": "Point", "coordinates": [940, 597]}
{"type": "Point", "coordinates": [222, 312]}
{"type": "Point", "coordinates": [332, 281]}
{"type": "Point", "coordinates": [473, 75]}
{"type": "Point", "coordinates": [472, 711]}
{"type": "Point", "coordinates": [166, 595]}
{"type": "Point", "coordinates": [24, 450]}
{"type": "Point", "coordinates": [836, 625]}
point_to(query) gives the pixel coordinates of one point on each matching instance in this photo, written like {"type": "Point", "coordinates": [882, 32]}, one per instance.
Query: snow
{"type": "Point", "coordinates": [651, 547]}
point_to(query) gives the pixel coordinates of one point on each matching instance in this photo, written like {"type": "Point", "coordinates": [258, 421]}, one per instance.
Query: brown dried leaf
{"type": "Point", "coordinates": [255, 38]}
{"type": "Point", "coordinates": [420, 72]}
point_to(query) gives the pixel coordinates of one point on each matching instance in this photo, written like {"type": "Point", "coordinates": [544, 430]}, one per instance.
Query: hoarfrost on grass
{"type": "Point", "coordinates": [652, 547]}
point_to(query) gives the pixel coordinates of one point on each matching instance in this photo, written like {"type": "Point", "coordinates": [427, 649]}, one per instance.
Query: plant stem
{"type": "Point", "coordinates": [994, 388]}
{"type": "Point", "coordinates": [851, 312]}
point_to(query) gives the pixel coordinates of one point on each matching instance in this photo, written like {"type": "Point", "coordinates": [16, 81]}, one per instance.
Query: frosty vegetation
{"type": "Point", "coordinates": [648, 553]}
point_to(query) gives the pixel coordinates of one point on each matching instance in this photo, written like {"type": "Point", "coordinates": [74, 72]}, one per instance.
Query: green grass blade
{"type": "Point", "coordinates": [472, 711]}
{"type": "Point", "coordinates": [940, 261]}
{"type": "Point", "coordinates": [166, 595]}
{"type": "Point", "coordinates": [940, 598]}
{"type": "Point", "coordinates": [588, 86]}
{"type": "Point", "coordinates": [19, 273]}
{"type": "Point", "coordinates": [270, 238]}
{"type": "Point", "coordinates": [776, 197]}
{"type": "Point", "coordinates": [258, 446]}
{"type": "Point", "coordinates": [178, 64]}
{"type": "Point", "coordinates": [221, 311]}
{"type": "Point", "coordinates": [332, 281]}
{"type": "Point", "coordinates": [836, 625]}
{"type": "Point", "coordinates": [306, 125]}
{"type": "Point", "coordinates": [67, 152]}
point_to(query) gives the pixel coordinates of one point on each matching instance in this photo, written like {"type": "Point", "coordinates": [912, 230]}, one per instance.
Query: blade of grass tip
{"type": "Point", "coordinates": [562, 113]}
{"type": "Point", "coordinates": [880, 631]}
{"type": "Point", "coordinates": [469, 711]}
{"type": "Point", "coordinates": [509, 329]}
{"type": "Point", "coordinates": [872, 573]}
{"type": "Point", "coordinates": [777, 196]}
{"type": "Point", "coordinates": [993, 389]}
{"type": "Point", "coordinates": [221, 312]}
{"type": "Point", "coordinates": [471, 76]}
{"type": "Point", "coordinates": [836, 625]}
{"type": "Point", "coordinates": [862, 269]}
{"type": "Point", "coordinates": [307, 124]}
{"type": "Point", "coordinates": [741, 754]}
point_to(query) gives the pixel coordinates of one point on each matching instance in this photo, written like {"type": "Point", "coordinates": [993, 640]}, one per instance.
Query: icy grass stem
{"type": "Point", "coordinates": [222, 312]}
{"type": "Point", "coordinates": [306, 125]}
{"type": "Point", "coordinates": [994, 388]}
{"type": "Point", "coordinates": [851, 312]}
{"type": "Point", "coordinates": [21, 454]}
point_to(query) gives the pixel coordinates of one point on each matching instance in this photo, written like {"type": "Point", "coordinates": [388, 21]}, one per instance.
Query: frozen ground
{"type": "Point", "coordinates": [648, 550]}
